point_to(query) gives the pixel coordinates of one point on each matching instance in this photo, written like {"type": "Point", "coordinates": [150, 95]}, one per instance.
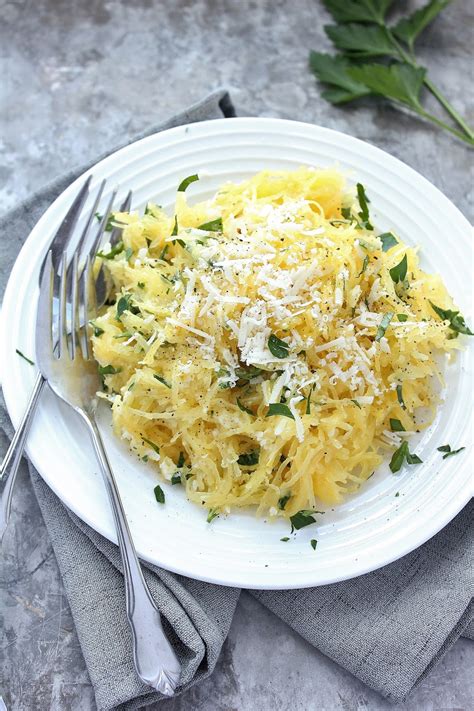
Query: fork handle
{"type": "Point", "coordinates": [155, 660]}
{"type": "Point", "coordinates": [11, 462]}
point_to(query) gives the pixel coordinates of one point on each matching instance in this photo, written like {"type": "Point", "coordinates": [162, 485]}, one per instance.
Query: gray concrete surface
{"type": "Point", "coordinates": [76, 76]}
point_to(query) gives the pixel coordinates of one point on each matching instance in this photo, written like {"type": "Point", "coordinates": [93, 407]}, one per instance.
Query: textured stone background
{"type": "Point", "coordinates": [76, 76]}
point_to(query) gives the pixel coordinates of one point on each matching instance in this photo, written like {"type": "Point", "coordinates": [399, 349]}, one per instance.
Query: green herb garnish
{"type": "Point", "coordinates": [212, 226]}
{"type": "Point", "coordinates": [365, 264]}
{"type": "Point", "coordinates": [213, 513]}
{"type": "Point", "coordinates": [403, 454]}
{"type": "Point", "coordinates": [314, 543]}
{"type": "Point", "coordinates": [181, 460]}
{"type": "Point", "coordinates": [396, 425]}
{"type": "Point", "coordinates": [109, 370]}
{"type": "Point", "coordinates": [98, 331]}
{"type": "Point", "coordinates": [285, 539]}
{"type": "Point", "coordinates": [301, 519]}
{"type": "Point", "coordinates": [125, 304]}
{"type": "Point", "coordinates": [456, 320]}
{"type": "Point", "coordinates": [248, 373]}
{"type": "Point", "coordinates": [279, 408]}
{"type": "Point", "coordinates": [113, 252]}
{"type": "Point", "coordinates": [364, 207]}
{"type": "Point", "coordinates": [187, 181]}
{"type": "Point", "coordinates": [388, 241]}
{"type": "Point", "coordinates": [154, 446]}
{"type": "Point", "coordinates": [448, 451]}
{"type": "Point", "coordinates": [357, 404]}
{"type": "Point", "coordinates": [159, 494]}
{"type": "Point", "coordinates": [402, 317]}
{"type": "Point", "coordinates": [399, 271]}
{"type": "Point", "coordinates": [282, 502]}
{"type": "Point", "coordinates": [22, 355]}
{"type": "Point", "coordinates": [249, 459]}
{"type": "Point", "coordinates": [243, 408]}
{"type": "Point", "coordinates": [383, 325]}
{"type": "Point", "coordinates": [175, 227]}
{"type": "Point", "coordinates": [277, 347]}
{"type": "Point", "coordinates": [128, 253]}
{"type": "Point", "coordinates": [176, 479]}
{"type": "Point", "coordinates": [163, 252]}
{"type": "Point", "coordinates": [400, 397]}
{"type": "Point", "coordinates": [363, 33]}
{"type": "Point", "coordinates": [161, 380]}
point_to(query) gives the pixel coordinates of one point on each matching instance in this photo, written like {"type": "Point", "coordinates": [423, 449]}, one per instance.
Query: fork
{"type": "Point", "coordinates": [60, 242]}
{"type": "Point", "coordinates": [72, 374]}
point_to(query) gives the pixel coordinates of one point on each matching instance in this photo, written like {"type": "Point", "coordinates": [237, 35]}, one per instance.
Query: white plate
{"type": "Point", "coordinates": [369, 530]}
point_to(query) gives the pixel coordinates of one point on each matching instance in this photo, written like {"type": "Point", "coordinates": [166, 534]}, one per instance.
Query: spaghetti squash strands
{"type": "Point", "coordinates": [253, 336]}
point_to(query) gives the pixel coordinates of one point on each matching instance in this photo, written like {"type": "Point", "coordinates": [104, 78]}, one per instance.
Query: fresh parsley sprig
{"type": "Point", "coordinates": [366, 42]}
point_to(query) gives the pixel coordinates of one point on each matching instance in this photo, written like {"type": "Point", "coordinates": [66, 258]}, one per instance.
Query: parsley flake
{"type": "Point", "coordinates": [187, 181]}
{"type": "Point", "coordinates": [388, 241]}
{"type": "Point", "coordinates": [383, 325]}
{"type": "Point", "coordinates": [213, 513]}
{"type": "Point", "coordinates": [396, 425]}
{"type": "Point", "coordinates": [314, 543]}
{"type": "Point", "coordinates": [456, 320]}
{"type": "Point", "coordinates": [249, 459]}
{"type": "Point", "coordinates": [279, 408]}
{"type": "Point", "coordinates": [31, 362]}
{"type": "Point", "coordinates": [277, 347]}
{"type": "Point", "coordinates": [159, 494]}
{"type": "Point", "coordinates": [154, 446]}
{"type": "Point", "coordinates": [282, 502]}
{"type": "Point", "coordinates": [448, 451]}
{"type": "Point", "coordinates": [109, 370]}
{"type": "Point", "coordinates": [212, 226]}
{"type": "Point", "coordinates": [400, 455]}
{"type": "Point", "coordinates": [161, 380]}
{"type": "Point", "coordinates": [399, 271]}
{"type": "Point", "coordinates": [302, 518]}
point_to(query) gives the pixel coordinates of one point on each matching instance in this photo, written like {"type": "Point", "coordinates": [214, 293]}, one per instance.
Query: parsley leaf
{"type": "Point", "coordinates": [301, 519]}
{"type": "Point", "coordinates": [31, 362]}
{"type": "Point", "coordinates": [410, 27]}
{"type": "Point", "coordinates": [402, 454]}
{"type": "Point", "coordinates": [383, 325]}
{"type": "Point", "coordinates": [279, 408]}
{"type": "Point", "coordinates": [396, 425]}
{"type": "Point", "coordinates": [249, 459]}
{"type": "Point", "coordinates": [361, 41]}
{"type": "Point", "coordinates": [333, 71]}
{"type": "Point", "coordinates": [187, 181]}
{"type": "Point", "coordinates": [388, 241]}
{"type": "Point", "coordinates": [399, 271]}
{"type": "Point", "coordinates": [314, 543]}
{"type": "Point", "coordinates": [159, 494]}
{"type": "Point", "coordinates": [285, 539]}
{"type": "Point", "coordinates": [358, 10]}
{"type": "Point", "coordinates": [277, 347]}
{"type": "Point", "coordinates": [161, 380]}
{"type": "Point", "coordinates": [400, 82]}
{"type": "Point", "coordinates": [449, 452]}
{"type": "Point", "coordinates": [456, 320]}
{"type": "Point", "coordinates": [212, 226]}
{"type": "Point", "coordinates": [125, 304]}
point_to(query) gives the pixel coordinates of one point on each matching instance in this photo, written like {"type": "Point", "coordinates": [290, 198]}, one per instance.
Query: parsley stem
{"type": "Point", "coordinates": [411, 59]}
{"type": "Point", "coordinates": [445, 126]}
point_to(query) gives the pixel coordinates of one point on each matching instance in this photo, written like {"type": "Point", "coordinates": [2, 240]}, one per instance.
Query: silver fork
{"type": "Point", "coordinates": [73, 376]}
{"type": "Point", "coordinates": [60, 242]}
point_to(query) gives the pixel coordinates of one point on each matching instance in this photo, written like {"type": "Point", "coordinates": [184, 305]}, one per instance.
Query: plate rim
{"type": "Point", "coordinates": [457, 503]}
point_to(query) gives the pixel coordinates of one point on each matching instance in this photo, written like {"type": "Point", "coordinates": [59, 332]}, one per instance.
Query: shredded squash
{"type": "Point", "coordinates": [267, 347]}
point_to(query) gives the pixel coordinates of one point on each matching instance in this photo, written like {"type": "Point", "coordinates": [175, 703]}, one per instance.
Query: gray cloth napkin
{"type": "Point", "coordinates": [389, 628]}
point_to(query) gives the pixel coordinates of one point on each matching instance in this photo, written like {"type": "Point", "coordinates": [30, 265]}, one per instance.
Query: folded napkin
{"type": "Point", "coordinates": [389, 627]}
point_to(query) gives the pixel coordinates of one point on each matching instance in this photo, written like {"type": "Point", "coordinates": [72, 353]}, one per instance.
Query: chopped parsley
{"type": "Point", "coordinates": [448, 451]}
{"type": "Point", "coordinates": [399, 271]}
{"type": "Point", "coordinates": [364, 208]}
{"type": "Point", "coordinates": [243, 408]}
{"type": "Point", "coordinates": [357, 404]}
{"type": "Point", "coordinates": [314, 543]}
{"type": "Point", "coordinates": [109, 370]}
{"type": "Point", "coordinates": [400, 397]}
{"type": "Point", "coordinates": [383, 325]}
{"type": "Point", "coordinates": [388, 241]}
{"type": "Point", "coordinates": [396, 425]}
{"type": "Point", "coordinates": [277, 347]}
{"type": "Point", "coordinates": [248, 373]}
{"type": "Point", "coordinates": [279, 408]}
{"type": "Point", "coordinates": [181, 460]}
{"type": "Point", "coordinates": [301, 519]}
{"type": "Point", "coordinates": [402, 317]}
{"type": "Point", "coordinates": [282, 502]}
{"type": "Point", "coordinates": [98, 331]}
{"type": "Point", "coordinates": [212, 226]}
{"type": "Point", "coordinates": [22, 355]}
{"type": "Point", "coordinates": [161, 380]}
{"type": "Point", "coordinates": [403, 454]}
{"type": "Point", "coordinates": [154, 446]}
{"type": "Point", "coordinates": [346, 213]}
{"type": "Point", "coordinates": [119, 247]}
{"type": "Point", "coordinates": [175, 227]}
{"type": "Point", "coordinates": [176, 478]}
{"type": "Point", "coordinates": [456, 320]}
{"type": "Point", "coordinates": [128, 253]}
{"type": "Point", "coordinates": [213, 513]}
{"type": "Point", "coordinates": [125, 304]}
{"type": "Point", "coordinates": [187, 181]}
{"type": "Point", "coordinates": [141, 284]}
{"type": "Point", "coordinates": [159, 494]}
{"type": "Point", "coordinates": [365, 264]}
{"type": "Point", "coordinates": [163, 252]}
{"type": "Point", "coordinates": [285, 539]}
{"type": "Point", "coordinates": [249, 459]}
